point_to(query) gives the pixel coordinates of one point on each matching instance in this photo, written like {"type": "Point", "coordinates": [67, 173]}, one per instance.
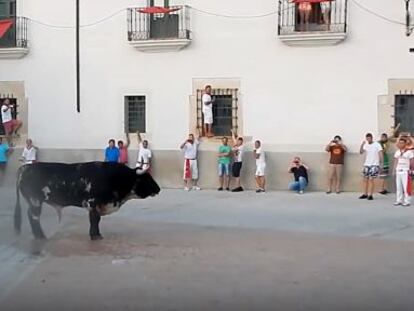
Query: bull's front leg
{"type": "Point", "coordinates": [94, 219]}
{"type": "Point", "coordinates": [34, 211]}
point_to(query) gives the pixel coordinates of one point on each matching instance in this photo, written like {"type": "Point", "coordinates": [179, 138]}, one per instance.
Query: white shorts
{"type": "Point", "coordinates": [208, 117]}
{"type": "Point", "coordinates": [190, 169]}
{"type": "Point", "coordinates": [260, 169]}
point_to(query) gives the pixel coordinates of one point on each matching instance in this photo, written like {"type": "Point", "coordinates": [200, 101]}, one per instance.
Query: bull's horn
{"type": "Point", "coordinates": [59, 212]}
{"type": "Point", "coordinates": [140, 171]}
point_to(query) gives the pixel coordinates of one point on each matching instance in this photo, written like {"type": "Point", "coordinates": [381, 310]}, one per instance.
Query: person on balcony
{"type": "Point", "coordinates": [305, 10]}
{"type": "Point", "coordinates": [208, 111]}
{"type": "Point", "coordinates": [326, 8]}
{"type": "Point", "coordinates": [11, 126]}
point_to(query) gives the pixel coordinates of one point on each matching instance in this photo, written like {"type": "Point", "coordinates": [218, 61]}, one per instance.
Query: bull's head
{"type": "Point", "coordinates": [145, 185]}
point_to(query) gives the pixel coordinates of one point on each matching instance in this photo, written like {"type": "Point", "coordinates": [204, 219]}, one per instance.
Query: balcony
{"type": "Point", "coordinates": [13, 44]}
{"type": "Point", "coordinates": [160, 32]}
{"type": "Point", "coordinates": [312, 23]}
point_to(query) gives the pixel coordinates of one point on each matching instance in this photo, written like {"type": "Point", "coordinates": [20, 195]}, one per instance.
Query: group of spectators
{"type": "Point", "coordinates": [119, 153]}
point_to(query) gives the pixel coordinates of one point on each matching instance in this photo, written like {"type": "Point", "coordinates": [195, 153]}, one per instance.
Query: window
{"type": "Point", "coordinates": [13, 101]}
{"type": "Point", "coordinates": [225, 109]}
{"type": "Point", "coordinates": [404, 112]}
{"type": "Point", "coordinates": [135, 114]}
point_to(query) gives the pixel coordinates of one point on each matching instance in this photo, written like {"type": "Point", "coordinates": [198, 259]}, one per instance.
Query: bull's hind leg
{"type": "Point", "coordinates": [94, 219]}
{"type": "Point", "coordinates": [33, 213]}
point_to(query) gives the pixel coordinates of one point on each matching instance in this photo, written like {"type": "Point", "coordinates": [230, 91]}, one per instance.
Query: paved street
{"type": "Point", "coordinates": [215, 251]}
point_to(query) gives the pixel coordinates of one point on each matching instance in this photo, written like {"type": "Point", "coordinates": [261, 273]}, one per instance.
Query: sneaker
{"type": "Point", "coordinates": [259, 190]}
{"type": "Point", "coordinates": [186, 189]}
{"type": "Point", "coordinates": [238, 189]}
{"type": "Point", "coordinates": [370, 198]}
{"type": "Point", "coordinates": [397, 204]}
{"type": "Point", "coordinates": [328, 192]}
{"type": "Point", "coordinates": [364, 196]}
{"type": "Point", "coordinates": [220, 189]}
{"type": "Point", "coordinates": [301, 192]}
{"type": "Point", "coordinates": [406, 204]}
{"type": "Point", "coordinates": [383, 192]}
{"type": "Point", "coordinates": [196, 188]}
{"type": "Point", "coordinates": [227, 189]}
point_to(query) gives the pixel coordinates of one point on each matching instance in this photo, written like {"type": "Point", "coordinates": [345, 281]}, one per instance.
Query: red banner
{"type": "Point", "coordinates": [4, 26]}
{"type": "Point", "coordinates": [157, 10]}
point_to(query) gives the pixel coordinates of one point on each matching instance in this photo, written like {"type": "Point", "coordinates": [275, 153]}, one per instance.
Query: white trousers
{"type": "Point", "coordinates": [403, 181]}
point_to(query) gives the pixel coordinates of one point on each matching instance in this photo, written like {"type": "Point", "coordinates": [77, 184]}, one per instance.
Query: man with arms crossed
{"type": "Point", "coordinates": [224, 159]}
{"type": "Point", "coordinates": [190, 149]}
{"type": "Point", "coordinates": [372, 165]}
{"type": "Point", "coordinates": [403, 165]}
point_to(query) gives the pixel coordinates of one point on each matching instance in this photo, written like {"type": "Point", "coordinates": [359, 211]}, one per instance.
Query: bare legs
{"type": "Point", "coordinates": [208, 130]}
{"type": "Point", "coordinates": [334, 177]}
{"type": "Point", "coordinates": [260, 182]}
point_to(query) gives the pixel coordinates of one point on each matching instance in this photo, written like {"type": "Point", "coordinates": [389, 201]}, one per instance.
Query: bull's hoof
{"type": "Point", "coordinates": [96, 237]}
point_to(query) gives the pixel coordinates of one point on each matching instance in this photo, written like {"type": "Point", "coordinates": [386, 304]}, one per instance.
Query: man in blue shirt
{"type": "Point", "coordinates": [112, 152]}
{"type": "Point", "coordinates": [4, 153]}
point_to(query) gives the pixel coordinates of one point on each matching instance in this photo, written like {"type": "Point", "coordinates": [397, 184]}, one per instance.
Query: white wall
{"type": "Point", "coordinates": [294, 98]}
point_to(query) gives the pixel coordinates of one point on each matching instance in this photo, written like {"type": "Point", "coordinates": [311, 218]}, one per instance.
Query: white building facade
{"type": "Point", "coordinates": [292, 85]}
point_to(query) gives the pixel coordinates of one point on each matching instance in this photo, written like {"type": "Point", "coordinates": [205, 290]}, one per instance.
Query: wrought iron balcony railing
{"type": "Point", "coordinates": [16, 35]}
{"type": "Point", "coordinates": [159, 26]}
{"type": "Point", "coordinates": [316, 17]}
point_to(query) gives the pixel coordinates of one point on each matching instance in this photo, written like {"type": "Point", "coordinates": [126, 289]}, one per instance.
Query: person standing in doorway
{"type": "Point", "coordinates": [111, 152]}
{"type": "Point", "coordinates": [337, 152]}
{"type": "Point", "coordinates": [29, 155]}
{"type": "Point", "coordinates": [238, 150]}
{"type": "Point", "coordinates": [386, 166]}
{"type": "Point", "coordinates": [11, 126]}
{"type": "Point", "coordinates": [224, 159]}
{"type": "Point", "coordinates": [300, 173]}
{"type": "Point", "coordinates": [403, 165]}
{"type": "Point", "coordinates": [123, 150]}
{"type": "Point", "coordinates": [208, 111]}
{"type": "Point", "coordinates": [372, 165]}
{"type": "Point", "coordinates": [190, 149]}
{"type": "Point", "coordinates": [260, 174]}
{"type": "Point", "coordinates": [144, 159]}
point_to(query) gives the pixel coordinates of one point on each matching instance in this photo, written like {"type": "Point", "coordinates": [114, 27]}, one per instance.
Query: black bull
{"type": "Point", "coordinates": [100, 187]}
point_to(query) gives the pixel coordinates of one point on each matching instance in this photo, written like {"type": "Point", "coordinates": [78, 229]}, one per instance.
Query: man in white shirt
{"type": "Point", "coordinates": [208, 111]}
{"type": "Point", "coordinates": [260, 174]}
{"type": "Point", "coordinates": [29, 155]}
{"type": "Point", "coordinates": [403, 164]}
{"type": "Point", "coordinates": [238, 151]}
{"type": "Point", "coordinates": [372, 165]}
{"type": "Point", "coordinates": [10, 125]}
{"type": "Point", "coordinates": [190, 149]}
{"type": "Point", "coordinates": [144, 155]}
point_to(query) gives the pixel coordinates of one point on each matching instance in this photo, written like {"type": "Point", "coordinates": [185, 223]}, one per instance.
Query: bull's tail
{"type": "Point", "coordinates": [18, 208]}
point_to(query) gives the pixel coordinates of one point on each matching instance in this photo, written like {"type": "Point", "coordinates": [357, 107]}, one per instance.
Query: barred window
{"type": "Point", "coordinates": [404, 112]}
{"type": "Point", "coordinates": [225, 111]}
{"type": "Point", "coordinates": [135, 119]}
